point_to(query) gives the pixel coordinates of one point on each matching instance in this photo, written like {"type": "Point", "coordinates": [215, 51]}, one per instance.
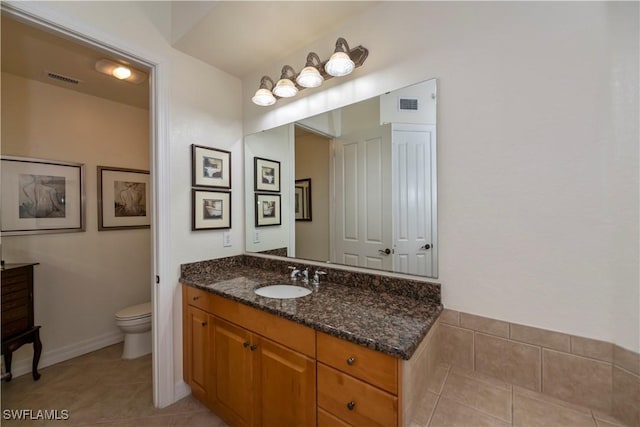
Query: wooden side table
{"type": "Point", "coordinates": [17, 315]}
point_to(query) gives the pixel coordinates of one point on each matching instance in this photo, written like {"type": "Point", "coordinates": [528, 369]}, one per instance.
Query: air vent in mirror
{"type": "Point", "coordinates": [62, 78]}
{"type": "Point", "coordinates": [410, 104]}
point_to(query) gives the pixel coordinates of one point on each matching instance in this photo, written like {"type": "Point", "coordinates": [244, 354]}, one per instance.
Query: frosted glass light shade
{"type": "Point", "coordinates": [121, 73]}
{"type": "Point", "coordinates": [263, 97]}
{"type": "Point", "coordinates": [309, 77]}
{"type": "Point", "coordinates": [339, 65]}
{"type": "Point", "coordinates": [285, 89]}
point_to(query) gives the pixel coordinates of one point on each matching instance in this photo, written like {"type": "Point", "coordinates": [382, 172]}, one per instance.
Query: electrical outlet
{"type": "Point", "coordinates": [226, 239]}
{"type": "Point", "coordinates": [256, 236]}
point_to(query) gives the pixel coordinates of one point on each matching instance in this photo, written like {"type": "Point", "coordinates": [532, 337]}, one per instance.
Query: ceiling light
{"type": "Point", "coordinates": [263, 96]}
{"type": "Point", "coordinates": [285, 88]}
{"type": "Point", "coordinates": [120, 71]}
{"type": "Point", "coordinates": [310, 76]}
{"type": "Point", "coordinates": [340, 64]}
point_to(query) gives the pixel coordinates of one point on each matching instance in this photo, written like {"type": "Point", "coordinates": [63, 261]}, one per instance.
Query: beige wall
{"type": "Point", "coordinates": [83, 278]}
{"type": "Point", "coordinates": [537, 149]}
{"type": "Point", "coordinates": [312, 161]}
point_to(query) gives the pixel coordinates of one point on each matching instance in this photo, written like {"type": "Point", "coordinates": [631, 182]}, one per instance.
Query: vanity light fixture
{"type": "Point", "coordinates": [285, 88]}
{"type": "Point", "coordinates": [263, 96]}
{"type": "Point", "coordinates": [120, 71]}
{"type": "Point", "coordinates": [310, 76]}
{"type": "Point", "coordinates": [342, 62]}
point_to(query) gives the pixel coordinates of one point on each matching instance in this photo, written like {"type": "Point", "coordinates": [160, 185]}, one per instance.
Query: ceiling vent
{"type": "Point", "coordinates": [408, 104]}
{"type": "Point", "coordinates": [62, 78]}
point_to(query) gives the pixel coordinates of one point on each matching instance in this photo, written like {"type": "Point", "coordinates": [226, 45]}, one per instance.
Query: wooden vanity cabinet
{"type": "Point", "coordinates": [257, 369]}
{"type": "Point", "coordinates": [356, 386]}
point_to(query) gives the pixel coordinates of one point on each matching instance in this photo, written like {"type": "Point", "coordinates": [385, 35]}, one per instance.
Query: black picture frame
{"type": "Point", "coordinates": [210, 210]}
{"type": "Point", "coordinates": [268, 210]}
{"type": "Point", "coordinates": [266, 175]}
{"type": "Point", "coordinates": [210, 167]}
{"type": "Point", "coordinates": [303, 210]}
{"type": "Point", "coordinates": [124, 198]}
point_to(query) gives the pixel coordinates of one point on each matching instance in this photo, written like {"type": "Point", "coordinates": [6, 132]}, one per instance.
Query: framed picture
{"type": "Point", "coordinates": [303, 199]}
{"type": "Point", "coordinates": [42, 196]}
{"type": "Point", "coordinates": [267, 210]}
{"type": "Point", "coordinates": [123, 198]}
{"type": "Point", "coordinates": [210, 210]}
{"type": "Point", "coordinates": [267, 175]}
{"type": "Point", "coordinates": [210, 167]}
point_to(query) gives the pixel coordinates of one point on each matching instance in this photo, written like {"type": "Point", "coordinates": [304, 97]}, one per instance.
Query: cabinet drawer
{"type": "Point", "coordinates": [354, 401]}
{"type": "Point", "coordinates": [10, 329]}
{"type": "Point", "coordinates": [9, 285]}
{"type": "Point", "coordinates": [19, 297]}
{"type": "Point", "coordinates": [278, 329]}
{"type": "Point", "coordinates": [199, 298]}
{"type": "Point", "coordinates": [15, 313]}
{"type": "Point", "coordinates": [326, 419]}
{"type": "Point", "coordinates": [369, 365]}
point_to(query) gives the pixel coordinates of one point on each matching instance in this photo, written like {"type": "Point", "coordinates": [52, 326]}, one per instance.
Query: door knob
{"type": "Point", "coordinates": [385, 251]}
{"type": "Point", "coordinates": [427, 246]}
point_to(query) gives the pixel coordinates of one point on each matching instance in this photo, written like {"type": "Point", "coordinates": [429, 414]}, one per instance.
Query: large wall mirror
{"type": "Point", "coordinates": [357, 185]}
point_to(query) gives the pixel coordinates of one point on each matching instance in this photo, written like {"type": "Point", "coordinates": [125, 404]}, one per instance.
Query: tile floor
{"type": "Point", "coordinates": [100, 389]}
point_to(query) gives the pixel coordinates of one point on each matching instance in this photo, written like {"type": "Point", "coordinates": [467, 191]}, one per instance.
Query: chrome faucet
{"type": "Point", "coordinates": [299, 274]}
{"type": "Point", "coordinates": [317, 275]}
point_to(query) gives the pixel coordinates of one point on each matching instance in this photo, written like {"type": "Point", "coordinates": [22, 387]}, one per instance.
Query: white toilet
{"type": "Point", "coordinates": [135, 323]}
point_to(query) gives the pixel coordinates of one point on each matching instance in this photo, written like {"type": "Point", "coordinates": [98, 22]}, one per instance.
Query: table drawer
{"type": "Point", "coordinates": [355, 401]}
{"type": "Point", "coordinates": [15, 327]}
{"type": "Point", "coordinates": [15, 313]}
{"type": "Point", "coordinates": [368, 365]}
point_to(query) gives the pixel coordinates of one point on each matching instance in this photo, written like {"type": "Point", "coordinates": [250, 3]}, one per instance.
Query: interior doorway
{"type": "Point", "coordinates": [163, 378]}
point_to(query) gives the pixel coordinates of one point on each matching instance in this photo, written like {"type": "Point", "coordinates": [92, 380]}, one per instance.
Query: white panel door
{"type": "Point", "coordinates": [413, 199]}
{"type": "Point", "coordinates": [362, 203]}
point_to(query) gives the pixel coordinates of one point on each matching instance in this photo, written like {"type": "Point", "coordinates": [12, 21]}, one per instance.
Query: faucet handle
{"type": "Point", "coordinates": [316, 276]}
{"type": "Point", "coordinates": [294, 272]}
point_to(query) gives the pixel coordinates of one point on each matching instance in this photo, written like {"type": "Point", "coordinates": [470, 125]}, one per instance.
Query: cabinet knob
{"type": "Point", "coordinates": [351, 361]}
{"type": "Point", "coordinates": [196, 298]}
{"type": "Point", "coordinates": [253, 347]}
{"type": "Point", "coordinates": [245, 344]}
{"type": "Point", "coordinates": [351, 405]}
{"type": "Point", "coordinates": [204, 323]}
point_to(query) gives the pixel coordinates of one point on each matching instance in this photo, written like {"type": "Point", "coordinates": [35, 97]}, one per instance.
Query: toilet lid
{"type": "Point", "coordinates": [135, 311]}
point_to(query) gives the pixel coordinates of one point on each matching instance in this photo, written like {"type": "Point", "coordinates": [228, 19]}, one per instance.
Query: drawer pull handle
{"type": "Point", "coordinates": [196, 298]}
{"type": "Point", "coordinates": [245, 344]}
{"type": "Point", "coordinates": [253, 347]}
{"type": "Point", "coordinates": [351, 405]}
{"type": "Point", "coordinates": [351, 361]}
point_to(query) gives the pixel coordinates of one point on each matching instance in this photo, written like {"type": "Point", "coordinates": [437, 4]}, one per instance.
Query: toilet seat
{"type": "Point", "coordinates": [134, 312]}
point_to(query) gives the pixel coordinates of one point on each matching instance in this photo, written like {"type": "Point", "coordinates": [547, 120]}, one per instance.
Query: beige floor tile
{"type": "Point", "coordinates": [607, 418]}
{"type": "Point", "coordinates": [456, 346]}
{"type": "Point", "coordinates": [450, 413]}
{"type": "Point", "coordinates": [603, 423]}
{"type": "Point", "coordinates": [529, 412]}
{"type": "Point", "coordinates": [551, 400]}
{"type": "Point", "coordinates": [482, 377]}
{"type": "Point", "coordinates": [437, 381]}
{"type": "Point", "coordinates": [479, 395]}
{"type": "Point", "coordinates": [424, 410]}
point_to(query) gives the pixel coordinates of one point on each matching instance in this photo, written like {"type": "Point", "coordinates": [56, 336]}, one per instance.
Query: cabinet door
{"type": "Point", "coordinates": [285, 386]}
{"type": "Point", "coordinates": [232, 371]}
{"type": "Point", "coordinates": [197, 363]}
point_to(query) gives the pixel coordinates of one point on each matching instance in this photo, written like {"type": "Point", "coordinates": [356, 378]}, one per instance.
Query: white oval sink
{"type": "Point", "coordinates": [282, 291]}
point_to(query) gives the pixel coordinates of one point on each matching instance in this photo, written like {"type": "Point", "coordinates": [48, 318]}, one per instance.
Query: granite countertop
{"type": "Point", "coordinates": [387, 322]}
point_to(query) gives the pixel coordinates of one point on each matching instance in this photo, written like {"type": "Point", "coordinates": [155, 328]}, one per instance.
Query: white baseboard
{"type": "Point", "coordinates": [57, 355]}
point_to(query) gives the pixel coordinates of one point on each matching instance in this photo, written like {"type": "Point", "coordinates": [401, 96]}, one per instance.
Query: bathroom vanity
{"type": "Point", "coordinates": [356, 351]}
